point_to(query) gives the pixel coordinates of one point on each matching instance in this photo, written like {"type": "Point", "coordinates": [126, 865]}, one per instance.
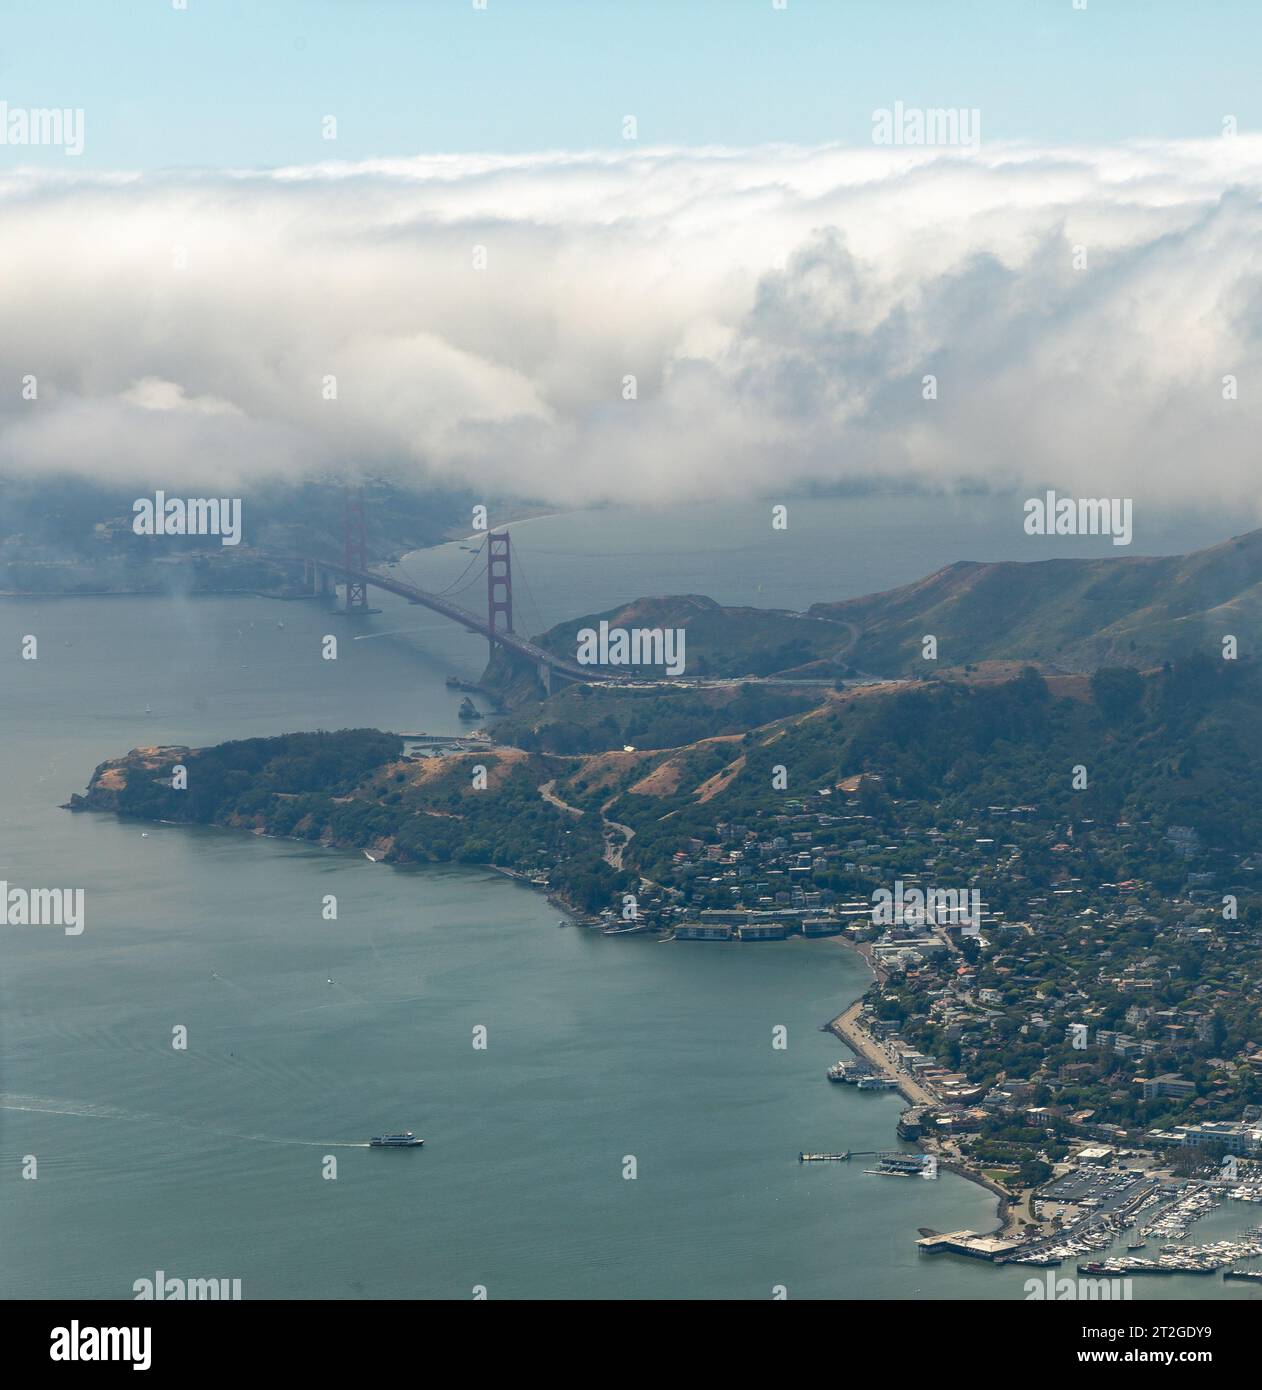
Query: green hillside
{"type": "Point", "coordinates": [725, 641]}
{"type": "Point", "coordinates": [1179, 748]}
{"type": "Point", "coordinates": [1070, 614]}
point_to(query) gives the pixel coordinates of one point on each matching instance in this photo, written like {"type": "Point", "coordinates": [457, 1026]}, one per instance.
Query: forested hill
{"type": "Point", "coordinates": [724, 641]}
{"type": "Point", "coordinates": [1179, 748]}
{"type": "Point", "coordinates": [1071, 614]}
{"type": "Point", "coordinates": [355, 789]}
{"type": "Point", "coordinates": [1061, 615]}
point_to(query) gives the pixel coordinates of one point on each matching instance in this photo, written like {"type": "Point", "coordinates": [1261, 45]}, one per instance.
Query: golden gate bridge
{"type": "Point", "coordinates": [322, 576]}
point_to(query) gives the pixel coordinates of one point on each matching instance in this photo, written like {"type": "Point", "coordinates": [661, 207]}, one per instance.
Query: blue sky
{"type": "Point", "coordinates": [247, 82]}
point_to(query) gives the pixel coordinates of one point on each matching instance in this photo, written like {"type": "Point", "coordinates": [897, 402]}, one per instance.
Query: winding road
{"type": "Point", "coordinates": [614, 849]}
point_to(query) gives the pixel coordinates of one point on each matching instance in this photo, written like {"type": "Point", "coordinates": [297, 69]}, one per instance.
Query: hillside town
{"type": "Point", "coordinates": [1031, 1038]}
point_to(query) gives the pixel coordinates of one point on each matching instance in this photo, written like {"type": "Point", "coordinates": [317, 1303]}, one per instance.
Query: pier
{"type": "Point", "coordinates": [848, 1154]}
{"type": "Point", "coordinates": [992, 1247]}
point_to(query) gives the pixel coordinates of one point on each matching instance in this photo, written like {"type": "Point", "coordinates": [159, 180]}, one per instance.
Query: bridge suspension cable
{"type": "Point", "coordinates": [477, 580]}
{"type": "Point", "coordinates": [540, 627]}
{"type": "Point", "coordinates": [456, 585]}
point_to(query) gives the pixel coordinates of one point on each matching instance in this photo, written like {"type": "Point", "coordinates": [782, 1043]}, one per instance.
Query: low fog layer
{"type": "Point", "coordinates": [779, 309]}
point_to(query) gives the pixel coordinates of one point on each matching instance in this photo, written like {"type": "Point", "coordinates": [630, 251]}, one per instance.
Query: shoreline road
{"type": "Point", "coordinates": [846, 1027]}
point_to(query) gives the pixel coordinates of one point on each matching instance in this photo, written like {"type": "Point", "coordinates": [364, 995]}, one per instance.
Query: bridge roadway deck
{"type": "Point", "coordinates": [530, 650]}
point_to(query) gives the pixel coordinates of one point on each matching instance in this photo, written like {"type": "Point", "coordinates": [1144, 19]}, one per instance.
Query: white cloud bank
{"type": "Point", "coordinates": [779, 308]}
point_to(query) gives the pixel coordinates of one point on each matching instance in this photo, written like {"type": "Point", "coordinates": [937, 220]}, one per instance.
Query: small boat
{"type": "Point", "coordinates": [563, 923]}
{"type": "Point", "coordinates": [406, 1140]}
{"type": "Point", "coordinates": [369, 857]}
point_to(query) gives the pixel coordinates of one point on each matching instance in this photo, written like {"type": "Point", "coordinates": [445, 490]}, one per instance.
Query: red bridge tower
{"type": "Point", "coordinates": [499, 582]}
{"type": "Point", "coordinates": [356, 551]}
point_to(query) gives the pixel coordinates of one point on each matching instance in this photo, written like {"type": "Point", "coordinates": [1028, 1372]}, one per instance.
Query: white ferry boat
{"type": "Point", "coordinates": [406, 1140]}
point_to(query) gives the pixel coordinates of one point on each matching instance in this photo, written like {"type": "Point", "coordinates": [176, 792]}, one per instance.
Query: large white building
{"type": "Point", "coordinates": [1228, 1135]}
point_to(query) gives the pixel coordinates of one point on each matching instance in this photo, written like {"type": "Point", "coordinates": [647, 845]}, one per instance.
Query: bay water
{"type": "Point", "coordinates": [306, 1036]}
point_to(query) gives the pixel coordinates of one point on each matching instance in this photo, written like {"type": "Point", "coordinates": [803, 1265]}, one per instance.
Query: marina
{"type": "Point", "coordinates": [1110, 1207]}
{"type": "Point", "coordinates": [1182, 1259]}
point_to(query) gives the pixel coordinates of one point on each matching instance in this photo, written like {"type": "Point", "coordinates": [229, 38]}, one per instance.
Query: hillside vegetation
{"type": "Point", "coordinates": [724, 641]}
{"type": "Point", "coordinates": [1178, 748]}
{"type": "Point", "coordinates": [1070, 614]}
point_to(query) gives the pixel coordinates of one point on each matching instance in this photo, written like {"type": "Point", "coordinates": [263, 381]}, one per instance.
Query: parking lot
{"type": "Point", "coordinates": [1093, 1188]}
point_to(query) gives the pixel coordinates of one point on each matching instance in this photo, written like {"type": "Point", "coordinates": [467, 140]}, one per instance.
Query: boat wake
{"type": "Point", "coordinates": [88, 1110]}
{"type": "Point", "coordinates": [44, 1105]}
